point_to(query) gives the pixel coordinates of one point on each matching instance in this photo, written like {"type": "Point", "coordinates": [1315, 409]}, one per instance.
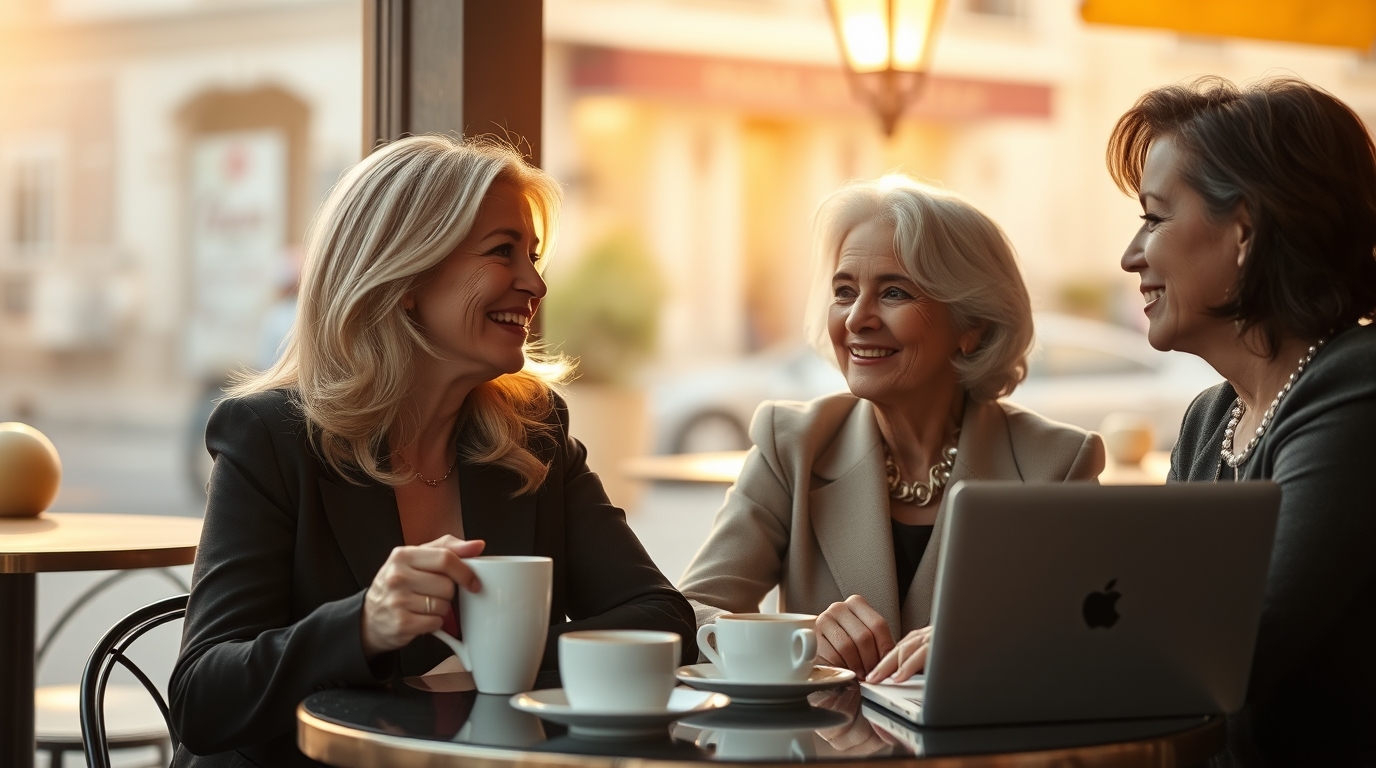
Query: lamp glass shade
{"type": "Point", "coordinates": [880, 35]}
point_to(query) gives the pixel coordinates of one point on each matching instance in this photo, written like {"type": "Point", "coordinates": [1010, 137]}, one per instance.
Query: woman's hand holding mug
{"type": "Point", "coordinates": [412, 591]}
{"type": "Point", "coordinates": [853, 635]}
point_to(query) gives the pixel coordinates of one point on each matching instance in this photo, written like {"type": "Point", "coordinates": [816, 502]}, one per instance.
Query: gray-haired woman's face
{"type": "Point", "coordinates": [891, 341]}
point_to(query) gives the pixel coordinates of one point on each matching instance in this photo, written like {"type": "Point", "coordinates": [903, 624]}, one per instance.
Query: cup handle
{"type": "Point", "coordinates": [706, 634]}
{"type": "Point", "coordinates": [456, 645]}
{"type": "Point", "coordinates": [804, 648]}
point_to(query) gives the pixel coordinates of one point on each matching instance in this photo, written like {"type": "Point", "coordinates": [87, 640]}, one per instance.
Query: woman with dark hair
{"type": "Point", "coordinates": [1256, 254]}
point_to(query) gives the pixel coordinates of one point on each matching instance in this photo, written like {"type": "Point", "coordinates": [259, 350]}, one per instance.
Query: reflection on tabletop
{"type": "Point", "coordinates": [833, 725]}
{"type": "Point", "coordinates": [725, 466]}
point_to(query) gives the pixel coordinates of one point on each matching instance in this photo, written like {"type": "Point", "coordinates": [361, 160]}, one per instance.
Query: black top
{"type": "Point", "coordinates": [909, 542]}
{"type": "Point", "coordinates": [289, 548]}
{"type": "Point", "coordinates": [1312, 696]}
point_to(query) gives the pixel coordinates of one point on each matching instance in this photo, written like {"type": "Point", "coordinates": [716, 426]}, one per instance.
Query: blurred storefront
{"type": "Point", "coordinates": [158, 164]}
{"type": "Point", "coordinates": [160, 159]}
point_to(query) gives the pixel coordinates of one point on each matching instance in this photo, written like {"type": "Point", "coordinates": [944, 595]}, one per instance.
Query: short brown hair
{"type": "Point", "coordinates": [1305, 167]}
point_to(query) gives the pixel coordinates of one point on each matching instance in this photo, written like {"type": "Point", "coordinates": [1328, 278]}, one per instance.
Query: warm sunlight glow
{"type": "Point", "coordinates": [912, 35]}
{"type": "Point", "coordinates": [864, 26]}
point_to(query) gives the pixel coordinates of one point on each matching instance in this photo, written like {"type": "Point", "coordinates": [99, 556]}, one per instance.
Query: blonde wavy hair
{"type": "Point", "coordinates": [384, 226]}
{"type": "Point", "coordinates": [955, 254]}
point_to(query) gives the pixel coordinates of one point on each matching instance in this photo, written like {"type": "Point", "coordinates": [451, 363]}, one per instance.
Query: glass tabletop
{"type": "Point", "coordinates": [830, 726]}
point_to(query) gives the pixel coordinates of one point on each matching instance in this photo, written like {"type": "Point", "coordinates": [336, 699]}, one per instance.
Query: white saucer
{"type": "Point", "coordinates": [551, 704]}
{"type": "Point", "coordinates": [708, 678]}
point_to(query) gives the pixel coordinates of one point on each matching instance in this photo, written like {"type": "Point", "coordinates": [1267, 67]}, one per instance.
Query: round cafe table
{"type": "Point", "coordinates": [409, 728]}
{"type": "Point", "coordinates": [65, 542]}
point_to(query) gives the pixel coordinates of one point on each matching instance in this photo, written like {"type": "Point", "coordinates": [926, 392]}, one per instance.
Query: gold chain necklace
{"type": "Point", "coordinates": [918, 492]}
{"type": "Point", "coordinates": [434, 483]}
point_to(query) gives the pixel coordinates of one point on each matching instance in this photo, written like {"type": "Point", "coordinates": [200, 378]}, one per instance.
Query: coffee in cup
{"type": "Point", "coordinates": [504, 623]}
{"type": "Point", "coordinates": [618, 670]}
{"type": "Point", "coordinates": [761, 647]}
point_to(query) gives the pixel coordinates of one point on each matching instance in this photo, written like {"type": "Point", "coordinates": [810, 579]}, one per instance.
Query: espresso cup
{"type": "Point", "coordinates": [761, 647]}
{"type": "Point", "coordinates": [504, 623]}
{"type": "Point", "coordinates": [618, 670]}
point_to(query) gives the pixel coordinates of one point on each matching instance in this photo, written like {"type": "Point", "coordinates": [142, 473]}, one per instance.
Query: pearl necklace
{"type": "Point", "coordinates": [918, 492]}
{"type": "Point", "coordinates": [1235, 460]}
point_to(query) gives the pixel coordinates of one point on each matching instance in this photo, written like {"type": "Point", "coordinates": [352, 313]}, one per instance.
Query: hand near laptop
{"type": "Point", "coordinates": [905, 660]}
{"type": "Point", "coordinates": [852, 635]}
{"type": "Point", "coordinates": [412, 591]}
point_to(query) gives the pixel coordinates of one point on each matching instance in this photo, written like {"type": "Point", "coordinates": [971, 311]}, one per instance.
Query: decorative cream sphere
{"type": "Point", "coordinates": [30, 470]}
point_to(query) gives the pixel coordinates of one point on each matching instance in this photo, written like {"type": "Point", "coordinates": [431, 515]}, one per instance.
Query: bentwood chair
{"type": "Point", "coordinates": [109, 652]}
{"type": "Point", "coordinates": [138, 722]}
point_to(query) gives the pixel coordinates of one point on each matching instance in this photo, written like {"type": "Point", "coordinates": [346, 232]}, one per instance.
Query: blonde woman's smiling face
{"type": "Point", "coordinates": [891, 341]}
{"type": "Point", "coordinates": [475, 307]}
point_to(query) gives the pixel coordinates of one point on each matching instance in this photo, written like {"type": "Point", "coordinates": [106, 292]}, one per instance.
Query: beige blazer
{"type": "Point", "coordinates": [810, 510]}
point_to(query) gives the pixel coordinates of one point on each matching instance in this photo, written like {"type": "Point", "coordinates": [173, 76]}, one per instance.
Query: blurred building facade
{"type": "Point", "coordinates": [160, 159]}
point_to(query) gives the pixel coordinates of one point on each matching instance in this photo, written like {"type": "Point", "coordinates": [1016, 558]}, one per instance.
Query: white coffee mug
{"type": "Point", "coordinates": [504, 623]}
{"type": "Point", "coordinates": [619, 670]}
{"type": "Point", "coordinates": [761, 647]}
{"type": "Point", "coordinates": [494, 722]}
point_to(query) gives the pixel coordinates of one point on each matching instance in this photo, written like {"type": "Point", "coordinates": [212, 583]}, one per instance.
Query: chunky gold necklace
{"type": "Point", "coordinates": [918, 492]}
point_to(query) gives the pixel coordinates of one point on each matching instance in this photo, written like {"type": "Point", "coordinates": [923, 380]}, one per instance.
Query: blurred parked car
{"type": "Point", "coordinates": [1081, 371]}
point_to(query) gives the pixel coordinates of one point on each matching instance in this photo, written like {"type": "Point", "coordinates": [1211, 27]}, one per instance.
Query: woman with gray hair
{"type": "Point", "coordinates": [918, 298]}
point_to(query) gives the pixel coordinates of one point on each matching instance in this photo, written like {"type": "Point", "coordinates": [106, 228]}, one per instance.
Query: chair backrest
{"type": "Point", "coordinates": [109, 652]}
{"type": "Point", "coordinates": [92, 593]}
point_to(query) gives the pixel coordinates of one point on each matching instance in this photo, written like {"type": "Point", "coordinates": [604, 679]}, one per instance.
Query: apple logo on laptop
{"type": "Point", "coordinates": [1099, 607]}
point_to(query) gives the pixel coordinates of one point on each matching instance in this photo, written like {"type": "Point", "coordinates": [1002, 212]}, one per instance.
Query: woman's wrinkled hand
{"type": "Point", "coordinates": [905, 660]}
{"type": "Point", "coordinates": [853, 635]}
{"type": "Point", "coordinates": [396, 609]}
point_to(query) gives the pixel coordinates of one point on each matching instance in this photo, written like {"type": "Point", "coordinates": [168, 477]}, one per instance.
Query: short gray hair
{"type": "Point", "coordinates": [955, 254]}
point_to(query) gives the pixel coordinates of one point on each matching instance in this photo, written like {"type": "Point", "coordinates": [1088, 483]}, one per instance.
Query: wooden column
{"type": "Point", "coordinates": [467, 67]}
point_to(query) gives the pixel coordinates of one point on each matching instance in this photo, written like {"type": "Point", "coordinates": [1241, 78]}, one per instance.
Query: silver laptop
{"type": "Point", "coordinates": [1076, 601]}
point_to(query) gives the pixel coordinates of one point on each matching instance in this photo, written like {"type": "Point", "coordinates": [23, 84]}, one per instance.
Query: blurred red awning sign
{"type": "Point", "coordinates": [1343, 23]}
{"type": "Point", "coordinates": [775, 87]}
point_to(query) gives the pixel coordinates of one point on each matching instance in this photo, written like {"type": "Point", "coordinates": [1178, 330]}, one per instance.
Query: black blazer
{"type": "Point", "coordinates": [289, 548]}
{"type": "Point", "coordinates": [1312, 695]}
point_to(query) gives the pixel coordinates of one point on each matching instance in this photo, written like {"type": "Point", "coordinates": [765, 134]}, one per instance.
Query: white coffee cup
{"type": "Point", "coordinates": [761, 647]}
{"type": "Point", "coordinates": [494, 722]}
{"type": "Point", "coordinates": [759, 744]}
{"type": "Point", "coordinates": [619, 670]}
{"type": "Point", "coordinates": [504, 623]}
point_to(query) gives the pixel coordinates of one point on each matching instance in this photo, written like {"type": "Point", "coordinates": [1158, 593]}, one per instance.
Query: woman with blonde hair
{"type": "Point", "coordinates": [407, 425]}
{"type": "Point", "coordinates": [917, 297]}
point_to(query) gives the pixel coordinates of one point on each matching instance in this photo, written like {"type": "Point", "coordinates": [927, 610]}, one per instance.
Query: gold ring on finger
{"type": "Point", "coordinates": [428, 608]}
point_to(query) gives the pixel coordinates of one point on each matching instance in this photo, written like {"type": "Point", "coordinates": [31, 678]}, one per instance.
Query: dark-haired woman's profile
{"type": "Point", "coordinates": [1256, 254]}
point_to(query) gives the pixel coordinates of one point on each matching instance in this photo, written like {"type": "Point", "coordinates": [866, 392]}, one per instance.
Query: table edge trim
{"type": "Point", "coordinates": [315, 735]}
